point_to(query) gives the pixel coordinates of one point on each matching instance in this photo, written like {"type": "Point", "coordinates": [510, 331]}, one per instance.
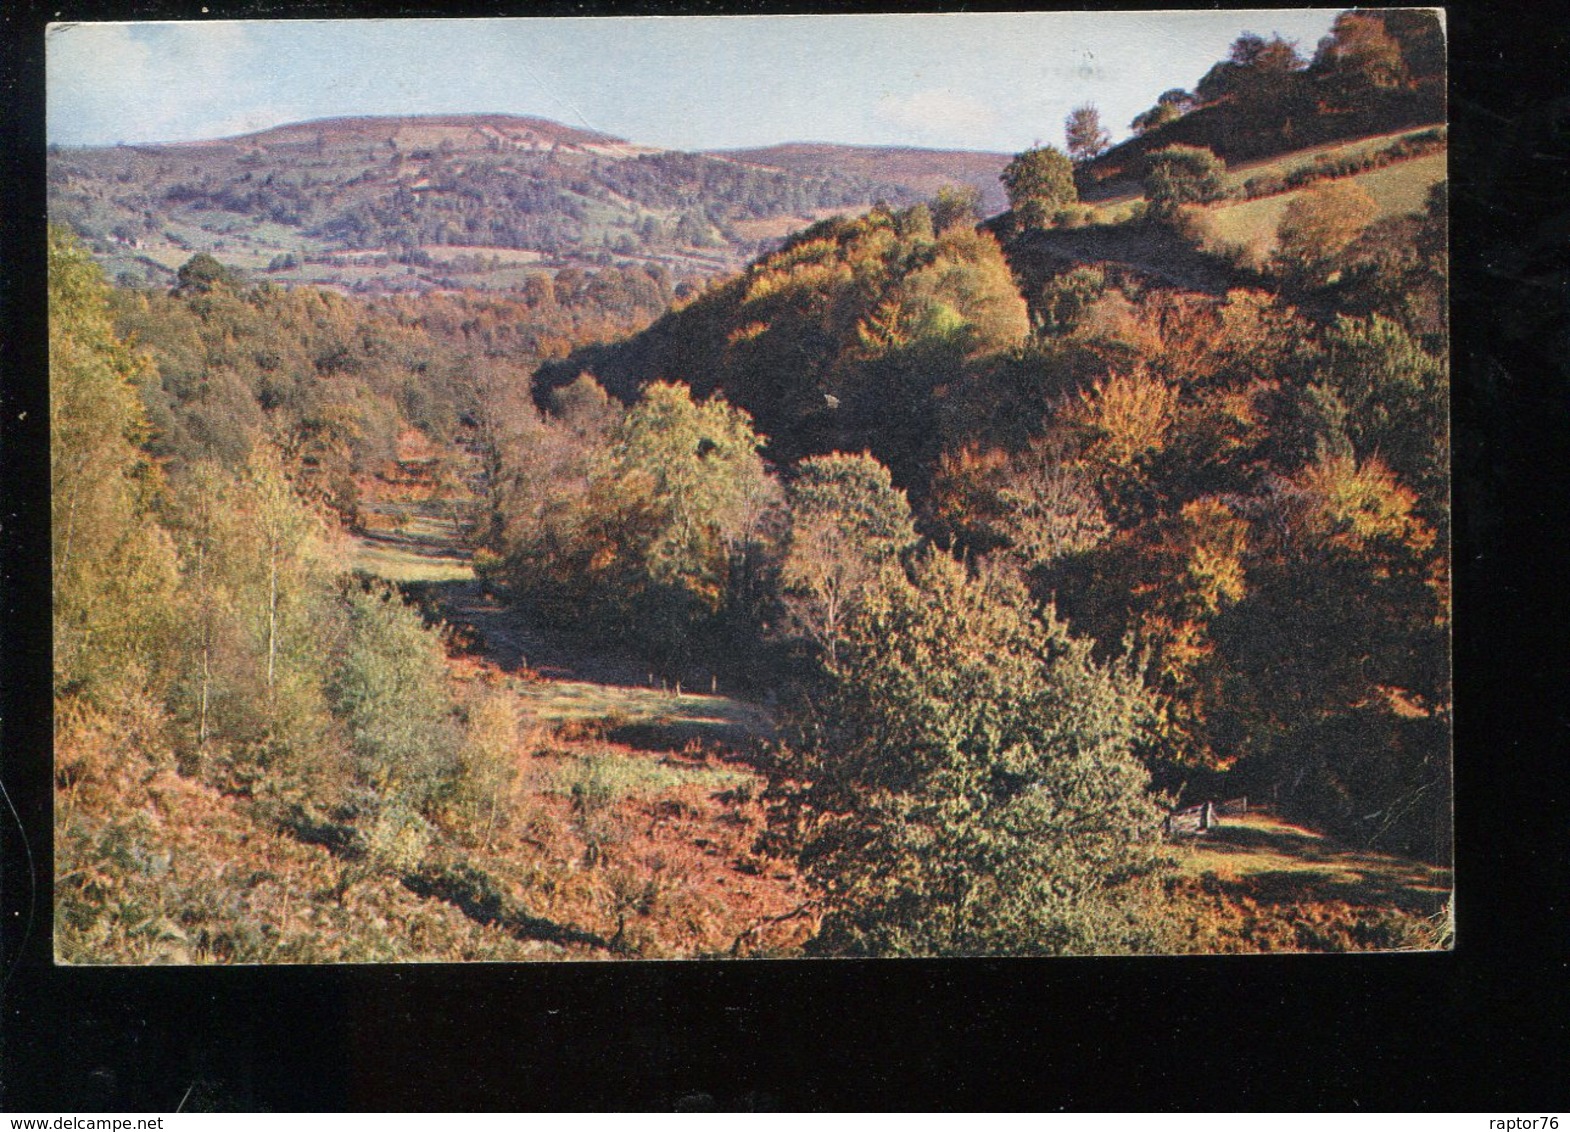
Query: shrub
{"type": "Point", "coordinates": [1182, 174]}
{"type": "Point", "coordinates": [1318, 225]}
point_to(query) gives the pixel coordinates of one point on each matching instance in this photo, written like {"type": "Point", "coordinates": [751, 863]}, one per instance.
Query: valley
{"type": "Point", "coordinates": [481, 539]}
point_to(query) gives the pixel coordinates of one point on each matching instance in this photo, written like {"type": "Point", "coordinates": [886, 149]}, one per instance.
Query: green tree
{"type": "Point", "coordinates": [1182, 174]}
{"type": "Point", "coordinates": [392, 691]}
{"type": "Point", "coordinates": [1039, 182]}
{"type": "Point", "coordinates": [955, 205]}
{"type": "Point", "coordinates": [975, 782]}
{"type": "Point", "coordinates": [201, 273]}
{"type": "Point", "coordinates": [1157, 116]}
{"type": "Point", "coordinates": [1084, 135]}
{"type": "Point", "coordinates": [848, 525]}
{"type": "Point", "coordinates": [1396, 400]}
{"type": "Point", "coordinates": [693, 468]}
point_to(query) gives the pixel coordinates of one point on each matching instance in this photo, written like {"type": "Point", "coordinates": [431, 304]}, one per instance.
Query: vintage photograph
{"type": "Point", "coordinates": [652, 488]}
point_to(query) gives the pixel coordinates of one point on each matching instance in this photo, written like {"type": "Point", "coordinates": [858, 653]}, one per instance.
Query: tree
{"type": "Point", "coordinates": [1083, 133]}
{"type": "Point", "coordinates": [1039, 182]}
{"type": "Point", "coordinates": [1360, 54]}
{"type": "Point", "coordinates": [848, 524]}
{"type": "Point", "coordinates": [1169, 107]}
{"type": "Point", "coordinates": [695, 467]}
{"type": "Point", "coordinates": [1182, 174]}
{"type": "Point", "coordinates": [975, 787]}
{"type": "Point", "coordinates": [1318, 224]}
{"type": "Point", "coordinates": [1157, 116]}
{"type": "Point", "coordinates": [201, 273]}
{"type": "Point", "coordinates": [392, 690]}
{"type": "Point", "coordinates": [955, 205]}
{"type": "Point", "coordinates": [113, 567]}
{"type": "Point", "coordinates": [1253, 70]}
{"type": "Point", "coordinates": [1396, 398]}
{"type": "Point", "coordinates": [1050, 507]}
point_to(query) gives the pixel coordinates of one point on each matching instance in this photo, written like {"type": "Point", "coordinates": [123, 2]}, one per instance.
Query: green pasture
{"type": "Point", "coordinates": [1397, 190]}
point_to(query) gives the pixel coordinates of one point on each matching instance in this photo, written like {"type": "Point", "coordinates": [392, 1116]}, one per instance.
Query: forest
{"type": "Point", "coordinates": [893, 595]}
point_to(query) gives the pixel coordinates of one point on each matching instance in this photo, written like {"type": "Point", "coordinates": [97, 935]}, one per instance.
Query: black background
{"type": "Point", "coordinates": [1480, 1029]}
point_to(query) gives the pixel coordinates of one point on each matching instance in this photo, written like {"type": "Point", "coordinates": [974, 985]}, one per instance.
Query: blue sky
{"type": "Point", "coordinates": [1000, 81]}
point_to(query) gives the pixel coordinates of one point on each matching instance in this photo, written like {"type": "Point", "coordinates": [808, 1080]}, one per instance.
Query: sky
{"type": "Point", "coordinates": [997, 81]}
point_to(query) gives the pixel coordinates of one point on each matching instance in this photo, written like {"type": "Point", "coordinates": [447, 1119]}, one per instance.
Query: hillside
{"type": "Point", "coordinates": [1378, 72]}
{"type": "Point", "coordinates": [1230, 242]}
{"type": "Point", "coordinates": [925, 169]}
{"type": "Point", "coordinates": [473, 201]}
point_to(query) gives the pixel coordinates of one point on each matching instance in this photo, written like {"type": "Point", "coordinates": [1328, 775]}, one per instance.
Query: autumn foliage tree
{"type": "Point", "coordinates": [1318, 224]}
{"type": "Point", "coordinates": [1039, 182]}
{"type": "Point", "coordinates": [976, 788]}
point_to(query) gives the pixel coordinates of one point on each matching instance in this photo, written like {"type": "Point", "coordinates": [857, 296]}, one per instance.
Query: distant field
{"type": "Point", "coordinates": [1397, 190]}
{"type": "Point", "coordinates": [416, 548]}
{"type": "Point", "coordinates": [397, 563]}
{"type": "Point", "coordinates": [505, 255]}
{"type": "Point", "coordinates": [618, 776]}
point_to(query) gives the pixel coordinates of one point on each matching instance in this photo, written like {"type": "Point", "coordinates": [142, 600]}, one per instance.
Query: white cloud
{"type": "Point", "coordinates": [937, 114]}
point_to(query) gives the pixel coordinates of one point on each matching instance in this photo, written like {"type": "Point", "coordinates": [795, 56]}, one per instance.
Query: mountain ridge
{"type": "Point", "coordinates": [468, 201]}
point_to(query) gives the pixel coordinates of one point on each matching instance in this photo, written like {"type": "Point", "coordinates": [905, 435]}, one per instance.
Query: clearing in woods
{"type": "Point", "coordinates": [637, 805]}
{"type": "Point", "coordinates": [1257, 882]}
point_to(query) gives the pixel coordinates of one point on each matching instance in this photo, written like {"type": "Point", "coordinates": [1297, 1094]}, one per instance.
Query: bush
{"type": "Point", "coordinates": [1182, 174]}
{"type": "Point", "coordinates": [1318, 225]}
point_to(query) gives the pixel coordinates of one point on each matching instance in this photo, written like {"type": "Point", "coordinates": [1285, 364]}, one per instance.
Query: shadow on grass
{"type": "Point", "coordinates": [730, 726]}
{"type": "Point", "coordinates": [1293, 866]}
{"type": "Point", "coordinates": [475, 894]}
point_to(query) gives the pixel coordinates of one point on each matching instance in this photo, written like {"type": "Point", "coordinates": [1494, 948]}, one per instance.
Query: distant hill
{"type": "Point", "coordinates": [428, 130]}
{"type": "Point", "coordinates": [471, 201]}
{"type": "Point", "coordinates": [926, 169]}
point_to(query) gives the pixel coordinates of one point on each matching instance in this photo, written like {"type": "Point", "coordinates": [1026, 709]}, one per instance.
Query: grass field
{"type": "Point", "coordinates": [614, 776]}
{"type": "Point", "coordinates": [1397, 190]}
{"type": "Point", "coordinates": [398, 562]}
{"type": "Point", "coordinates": [644, 716]}
{"type": "Point", "coordinates": [1273, 857]}
{"type": "Point", "coordinates": [1125, 192]}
